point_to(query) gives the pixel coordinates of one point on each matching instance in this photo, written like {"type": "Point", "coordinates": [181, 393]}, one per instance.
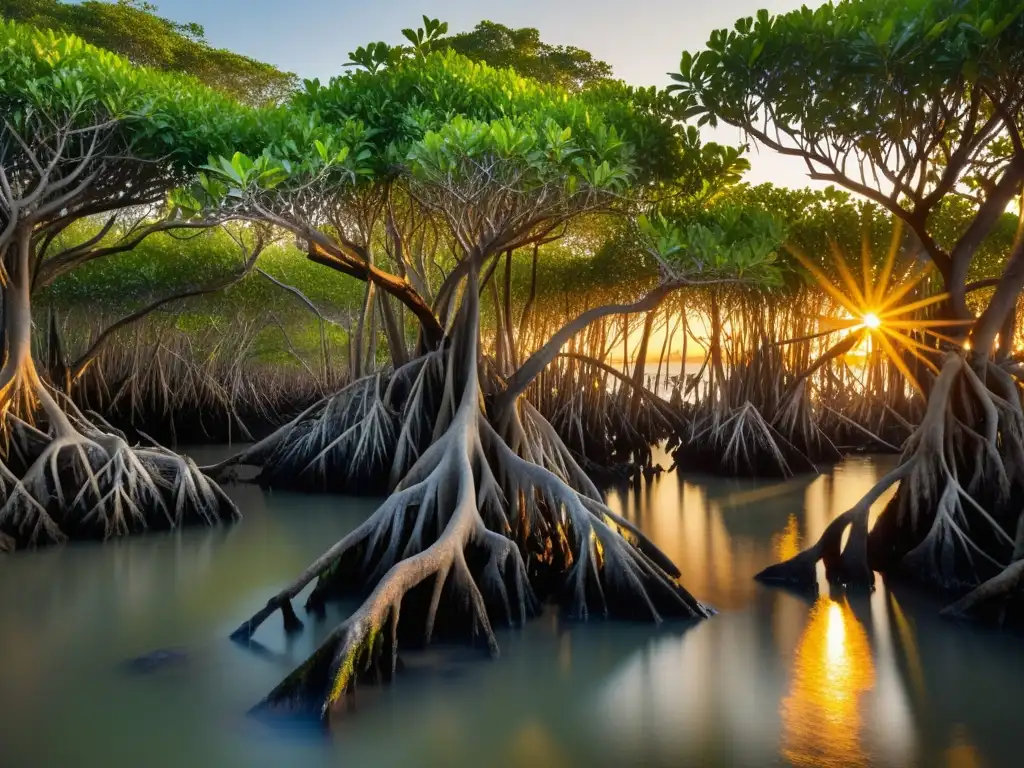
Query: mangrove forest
{"type": "Point", "coordinates": [475, 348]}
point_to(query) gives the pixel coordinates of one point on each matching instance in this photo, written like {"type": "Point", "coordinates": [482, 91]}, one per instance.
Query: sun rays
{"type": "Point", "coordinates": [875, 307]}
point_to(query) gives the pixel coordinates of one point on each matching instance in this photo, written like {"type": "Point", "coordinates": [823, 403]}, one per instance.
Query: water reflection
{"type": "Point", "coordinates": [840, 680]}
{"type": "Point", "coordinates": [721, 531]}
{"type": "Point", "coordinates": [775, 679]}
{"type": "Point", "coordinates": [787, 544]}
{"type": "Point", "coordinates": [833, 667]}
{"type": "Point", "coordinates": [962, 753]}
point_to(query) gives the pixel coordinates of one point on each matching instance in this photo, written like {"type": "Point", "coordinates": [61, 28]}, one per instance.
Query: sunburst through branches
{"type": "Point", "coordinates": [877, 308]}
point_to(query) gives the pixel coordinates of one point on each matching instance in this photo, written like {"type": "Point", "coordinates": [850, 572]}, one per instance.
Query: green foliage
{"type": "Point", "coordinates": [523, 50]}
{"type": "Point", "coordinates": [722, 242]}
{"type": "Point", "coordinates": [374, 57]}
{"type": "Point", "coordinates": [434, 119]}
{"type": "Point", "coordinates": [541, 154]}
{"type": "Point", "coordinates": [369, 123]}
{"type": "Point", "coordinates": [168, 263]}
{"type": "Point", "coordinates": [818, 221]}
{"type": "Point", "coordinates": [423, 38]}
{"type": "Point", "coordinates": [166, 123]}
{"type": "Point", "coordinates": [493, 44]}
{"type": "Point", "coordinates": [906, 103]}
{"type": "Point", "coordinates": [867, 71]}
{"type": "Point", "coordinates": [160, 265]}
{"type": "Point", "coordinates": [133, 30]}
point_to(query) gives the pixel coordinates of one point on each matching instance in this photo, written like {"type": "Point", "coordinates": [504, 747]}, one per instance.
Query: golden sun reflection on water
{"type": "Point", "coordinates": [832, 668]}
{"type": "Point", "coordinates": [962, 753]}
{"type": "Point", "coordinates": [786, 545]}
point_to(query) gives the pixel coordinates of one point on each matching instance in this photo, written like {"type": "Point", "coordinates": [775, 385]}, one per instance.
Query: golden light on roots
{"type": "Point", "coordinates": [875, 307]}
{"type": "Point", "coordinates": [18, 398]}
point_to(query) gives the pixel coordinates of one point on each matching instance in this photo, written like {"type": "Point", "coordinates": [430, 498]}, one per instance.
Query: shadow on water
{"type": "Point", "coordinates": [775, 679]}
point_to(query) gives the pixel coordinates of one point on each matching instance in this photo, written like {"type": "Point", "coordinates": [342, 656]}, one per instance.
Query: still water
{"type": "Point", "coordinates": [774, 679]}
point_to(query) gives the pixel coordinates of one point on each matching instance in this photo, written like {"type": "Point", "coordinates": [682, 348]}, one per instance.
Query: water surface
{"type": "Point", "coordinates": [774, 679]}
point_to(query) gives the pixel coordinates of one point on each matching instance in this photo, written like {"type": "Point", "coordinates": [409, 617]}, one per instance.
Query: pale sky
{"type": "Point", "coordinates": [641, 39]}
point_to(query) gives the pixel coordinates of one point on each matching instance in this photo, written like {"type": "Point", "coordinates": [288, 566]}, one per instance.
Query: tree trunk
{"type": "Point", "coordinates": [474, 495]}
{"type": "Point", "coordinates": [393, 332]}
{"type": "Point", "coordinates": [716, 390]}
{"type": "Point", "coordinates": [640, 365]}
{"type": "Point", "coordinates": [357, 341]}
{"type": "Point", "coordinates": [21, 389]}
{"type": "Point", "coordinates": [75, 480]}
{"type": "Point", "coordinates": [510, 339]}
{"type": "Point", "coordinates": [1001, 305]}
{"type": "Point", "coordinates": [400, 289]}
{"type": "Point", "coordinates": [540, 359]}
{"type": "Point", "coordinates": [528, 306]}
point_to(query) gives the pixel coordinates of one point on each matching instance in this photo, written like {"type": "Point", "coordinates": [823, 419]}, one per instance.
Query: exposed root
{"type": "Point", "coordinates": [950, 539]}
{"type": "Point", "coordinates": [948, 524]}
{"type": "Point", "coordinates": [794, 420]}
{"type": "Point", "coordinates": [350, 440]}
{"type": "Point", "coordinates": [77, 481]}
{"type": "Point", "coordinates": [610, 428]}
{"type": "Point", "coordinates": [483, 525]}
{"type": "Point", "coordinates": [843, 565]}
{"type": "Point", "coordinates": [609, 564]}
{"type": "Point", "coordinates": [740, 442]}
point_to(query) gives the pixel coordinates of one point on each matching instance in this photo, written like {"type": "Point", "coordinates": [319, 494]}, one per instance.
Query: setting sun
{"type": "Point", "coordinates": [892, 323]}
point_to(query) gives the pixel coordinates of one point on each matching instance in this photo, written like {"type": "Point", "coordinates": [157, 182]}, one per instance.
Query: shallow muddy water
{"type": "Point", "coordinates": [774, 679]}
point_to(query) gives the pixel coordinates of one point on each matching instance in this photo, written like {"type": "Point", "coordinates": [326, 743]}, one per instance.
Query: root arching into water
{"type": "Point", "coordinates": [489, 516]}
{"type": "Point", "coordinates": [80, 479]}
{"type": "Point", "coordinates": [955, 521]}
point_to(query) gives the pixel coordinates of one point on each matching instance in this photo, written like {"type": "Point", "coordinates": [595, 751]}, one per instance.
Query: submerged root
{"type": "Point", "coordinates": [484, 524]}
{"type": "Point", "coordinates": [740, 442]}
{"type": "Point", "coordinates": [1000, 599]}
{"type": "Point", "coordinates": [447, 551]}
{"type": "Point", "coordinates": [80, 482]}
{"type": "Point", "coordinates": [947, 525]}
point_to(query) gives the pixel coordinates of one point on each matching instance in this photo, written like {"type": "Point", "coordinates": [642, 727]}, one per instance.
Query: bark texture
{"type": "Point", "coordinates": [488, 517]}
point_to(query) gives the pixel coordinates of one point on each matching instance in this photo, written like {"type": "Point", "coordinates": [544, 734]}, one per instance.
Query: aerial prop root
{"type": "Point", "coordinates": [612, 567]}
{"type": "Point", "coordinates": [354, 430]}
{"type": "Point", "coordinates": [794, 420]}
{"type": "Point", "coordinates": [443, 543]}
{"type": "Point", "coordinates": [938, 509]}
{"type": "Point", "coordinates": [423, 483]}
{"type": "Point", "coordinates": [84, 481]}
{"type": "Point", "coordinates": [440, 493]}
{"type": "Point", "coordinates": [452, 542]}
{"type": "Point", "coordinates": [741, 441]}
{"type": "Point", "coordinates": [530, 442]}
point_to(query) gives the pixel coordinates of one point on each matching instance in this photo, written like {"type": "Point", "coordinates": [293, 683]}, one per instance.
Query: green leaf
{"type": "Point", "coordinates": [885, 33]}
{"type": "Point", "coordinates": [755, 52]}
{"type": "Point", "coordinates": [321, 149]}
